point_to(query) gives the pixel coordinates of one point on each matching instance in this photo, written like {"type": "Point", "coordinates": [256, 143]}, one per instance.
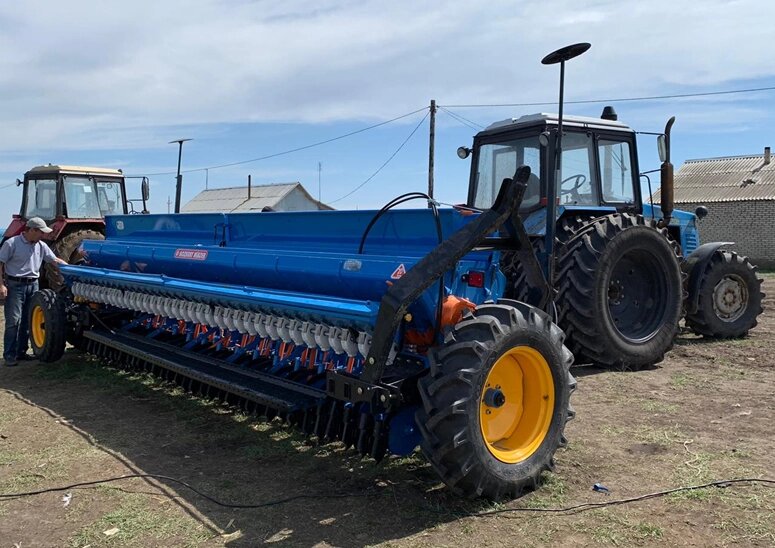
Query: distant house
{"type": "Point", "coordinates": [278, 197]}
{"type": "Point", "coordinates": [739, 192]}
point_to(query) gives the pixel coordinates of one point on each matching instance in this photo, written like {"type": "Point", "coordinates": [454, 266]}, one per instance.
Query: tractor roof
{"type": "Point", "coordinates": [74, 170]}
{"type": "Point", "coordinates": [542, 119]}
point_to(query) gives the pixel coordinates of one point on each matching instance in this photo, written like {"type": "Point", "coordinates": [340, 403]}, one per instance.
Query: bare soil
{"type": "Point", "coordinates": [706, 413]}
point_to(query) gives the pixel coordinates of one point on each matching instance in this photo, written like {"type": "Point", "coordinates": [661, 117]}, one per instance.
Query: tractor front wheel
{"type": "Point", "coordinates": [47, 325]}
{"type": "Point", "coordinates": [730, 298]}
{"type": "Point", "coordinates": [496, 401]}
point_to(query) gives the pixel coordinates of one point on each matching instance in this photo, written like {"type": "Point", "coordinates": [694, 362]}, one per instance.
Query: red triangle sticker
{"type": "Point", "coordinates": [398, 272]}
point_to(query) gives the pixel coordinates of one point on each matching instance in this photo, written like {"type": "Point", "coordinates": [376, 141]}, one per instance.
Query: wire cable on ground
{"type": "Point", "coordinates": [618, 100]}
{"type": "Point", "coordinates": [283, 153]}
{"type": "Point", "coordinates": [567, 509]}
{"type": "Point", "coordinates": [188, 486]}
{"type": "Point", "coordinates": [357, 188]}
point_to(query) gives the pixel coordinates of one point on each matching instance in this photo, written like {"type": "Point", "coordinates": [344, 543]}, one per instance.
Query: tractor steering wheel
{"type": "Point", "coordinates": [576, 182]}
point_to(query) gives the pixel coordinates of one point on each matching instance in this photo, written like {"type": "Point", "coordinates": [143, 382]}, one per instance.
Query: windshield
{"type": "Point", "coordinates": [86, 198]}
{"type": "Point", "coordinates": [41, 199]}
{"type": "Point", "coordinates": [499, 161]}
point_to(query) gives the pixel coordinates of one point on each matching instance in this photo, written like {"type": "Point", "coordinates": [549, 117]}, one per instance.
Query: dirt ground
{"type": "Point", "coordinates": [706, 413]}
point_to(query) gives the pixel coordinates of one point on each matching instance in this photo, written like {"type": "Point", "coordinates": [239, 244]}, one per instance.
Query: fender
{"type": "Point", "coordinates": [694, 267]}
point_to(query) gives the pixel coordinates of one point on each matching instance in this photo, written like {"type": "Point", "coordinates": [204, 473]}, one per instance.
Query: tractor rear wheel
{"type": "Point", "coordinates": [67, 249]}
{"type": "Point", "coordinates": [47, 325]}
{"type": "Point", "coordinates": [517, 287]}
{"type": "Point", "coordinates": [496, 401]}
{"type": "Point", "coordinates": [620, 292]}
{"type": "Point", "coordinates": [730, 298]}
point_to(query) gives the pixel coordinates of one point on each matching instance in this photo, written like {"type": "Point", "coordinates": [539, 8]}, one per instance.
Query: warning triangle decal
{"type": "Point", "coordinates": [398, 272]}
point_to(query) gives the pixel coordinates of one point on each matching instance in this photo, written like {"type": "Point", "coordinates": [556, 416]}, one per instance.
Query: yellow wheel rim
{"type": "Point", "coordinates": [38, 326]}
{"type": "Point", "coordinates": [517, 404]}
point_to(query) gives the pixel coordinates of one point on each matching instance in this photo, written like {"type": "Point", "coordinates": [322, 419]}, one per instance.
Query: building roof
{"type": "Point", "coordinates": [730, 179]}
{"type": "Point", "coordinates": [236, 198]}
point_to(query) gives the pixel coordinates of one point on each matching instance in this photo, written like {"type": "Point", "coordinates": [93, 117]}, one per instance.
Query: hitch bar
{"type": "Point", "coordinates": [442, 258]}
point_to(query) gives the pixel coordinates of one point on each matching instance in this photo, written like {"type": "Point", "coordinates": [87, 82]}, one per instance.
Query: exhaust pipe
{"type": "Point", "coordinates": [667, 180]}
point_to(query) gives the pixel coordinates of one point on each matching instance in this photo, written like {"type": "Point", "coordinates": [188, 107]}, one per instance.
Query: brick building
{"type": "Point", "coordinates": [739, 192]}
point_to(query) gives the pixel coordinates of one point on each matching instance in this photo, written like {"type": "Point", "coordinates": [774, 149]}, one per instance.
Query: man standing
{"type": "Point", "coordinates": [20, 260]}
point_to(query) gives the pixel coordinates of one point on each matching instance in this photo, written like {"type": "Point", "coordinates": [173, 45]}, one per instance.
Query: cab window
{"type": "Point", "coordinates": [578, 180]}
{"type": "Point", "coordinates": [616, 172]}
{"type": "Point", "coordinates": [81, 198]}
{"type": "Point", "coordinates": [110, 198]}
{"type": "Point", "coordinates": [498, 161]}
{"type": "Point", "coordinates": [41, 199]}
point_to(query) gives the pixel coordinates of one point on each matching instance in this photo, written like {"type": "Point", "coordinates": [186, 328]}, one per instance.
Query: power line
{"type": "Point", "coordinates": [353, 191]}
{"type": "Point", "coordinates": [465, 121]}
{"type": "Point", "coordinates": [617, 100]}
{"type": "Point", "coordinates": [305, 147]}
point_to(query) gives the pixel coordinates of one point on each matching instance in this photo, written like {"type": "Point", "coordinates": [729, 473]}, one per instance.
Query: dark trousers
{"type": "Point", "coordinates": [17, 312]}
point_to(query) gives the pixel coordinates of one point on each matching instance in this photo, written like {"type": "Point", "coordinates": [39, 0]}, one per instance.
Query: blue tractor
{"type": "Point", "coordinates": [623, 272]}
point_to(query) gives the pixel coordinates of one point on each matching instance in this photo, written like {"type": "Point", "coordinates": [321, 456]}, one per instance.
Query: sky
{"type": "Point", "coordinates": [111, 83]}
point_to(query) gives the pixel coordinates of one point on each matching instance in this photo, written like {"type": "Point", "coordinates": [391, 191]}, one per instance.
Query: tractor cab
{"type": "Point", "coordinates": [599, 165]}
{"type": "Point", "coordinates": [69, 195]}
{"type": "Point", "coordinates": [598, 171]}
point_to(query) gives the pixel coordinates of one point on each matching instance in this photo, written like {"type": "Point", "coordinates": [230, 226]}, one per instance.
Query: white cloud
{"type": "Point", "coordinates": [72, 70]}
{"type": "Point", "coordinates": [124, 76]}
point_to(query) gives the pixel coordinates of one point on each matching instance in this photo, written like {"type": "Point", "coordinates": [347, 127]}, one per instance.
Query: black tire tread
{"type": "Point", "coordinates": [702, 321]}
{"type": "Point", "coordinates": [449, 390]}
{"type": "Point", "coordinates": [55, 325]}
{"type": "Point", "coordinates": [575, 274]}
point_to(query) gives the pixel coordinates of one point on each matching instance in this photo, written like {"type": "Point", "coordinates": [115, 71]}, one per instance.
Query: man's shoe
{"type": "Point", "coordinates": [26, 358]}
{"type": "Point", "coordinates": [11, 364]}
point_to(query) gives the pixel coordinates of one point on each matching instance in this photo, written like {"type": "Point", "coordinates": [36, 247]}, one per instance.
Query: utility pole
{"type": "Point", "coordinates": [179, 178]}
{"type": "Point", "coordinates": [207, 177]}
{"type": "Point", "coordinates": [431, 148]}
{"type": "Point", "coordinates": [169, 202]}
{"type": "Point", "coordinates": [320, 171]}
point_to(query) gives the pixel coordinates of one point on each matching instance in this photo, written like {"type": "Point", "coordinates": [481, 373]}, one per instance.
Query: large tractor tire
{"type": "Point", "coordinates": [730, 298]}
{"type": "Point", "coordinates": [496, 401]}
{"type": "Point", "coordinates": [517, 286]}
{"type": "Point", "coordinates": [620, 292]}
{"type": "Point", "coordinates": [48, 324]}
{"type": "Point", "coordinates": [67, 248]}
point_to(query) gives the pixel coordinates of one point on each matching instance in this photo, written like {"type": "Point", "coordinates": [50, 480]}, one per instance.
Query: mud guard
{"type": "Point", "coordinates": [694, 267]}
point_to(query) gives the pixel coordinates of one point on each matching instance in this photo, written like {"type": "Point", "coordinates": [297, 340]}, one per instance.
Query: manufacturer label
{"type": "Point", "coordinates": [191, 254]}
{"type": "Point", "coordinates": [398, 272]}
{"type": "Point", "coordinates": [352, 265]}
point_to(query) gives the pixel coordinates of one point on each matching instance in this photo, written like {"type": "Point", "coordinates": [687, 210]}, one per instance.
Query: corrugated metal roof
{"type": "Point", "coordinates": [724, 180]}
{"type": "Point", "coordinates": [236, 198]}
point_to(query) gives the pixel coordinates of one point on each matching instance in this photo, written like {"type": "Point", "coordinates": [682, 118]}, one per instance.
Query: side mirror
{"type": "Point", "coordinates": [145, 189]}
{"type": "Point", "coordinates": [662, 148]}
{"type": "Point", "coordinates": [463, 152]}
{"type": "Point", "coordinates": [18, 182]}
{"type": "Point", "coordinates": [701, 212]}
